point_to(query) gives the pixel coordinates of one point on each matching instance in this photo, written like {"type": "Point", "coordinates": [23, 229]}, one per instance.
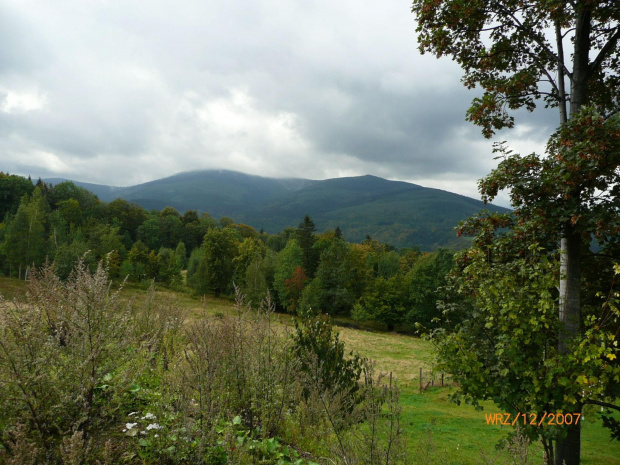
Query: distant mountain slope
{"type": "Point", "coordinates": [218, 192]}
{"type": "Point", "coordinates": [105, 193]}
{"type": "Point", "coordinates": [399, 213]}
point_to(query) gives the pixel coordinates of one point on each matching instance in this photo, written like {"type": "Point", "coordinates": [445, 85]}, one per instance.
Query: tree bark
{"type": "Point", "coordinates": [561, 74]}
{"type": "Point", "coordinates": [581, 60]}
{"type": "Point", "coordinates": [570, 308]}
{"type": "Point", "coordinates": [568, 449]}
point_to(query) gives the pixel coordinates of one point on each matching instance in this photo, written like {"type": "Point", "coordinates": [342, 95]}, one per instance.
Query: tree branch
{"type": "Point", "coordinates": [535, 37]}
{"type": "Point", "coordinates": [603, 404]}
{"type": "Point", "coordinates": [604, 52]}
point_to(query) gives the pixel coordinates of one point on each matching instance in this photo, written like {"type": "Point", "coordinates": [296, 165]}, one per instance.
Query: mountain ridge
{"type": "Point", "coordinates": [397, 212]}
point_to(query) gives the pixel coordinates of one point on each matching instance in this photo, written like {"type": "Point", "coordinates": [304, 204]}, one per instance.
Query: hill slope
{"type": "Point", "coordinates": [399, 213]}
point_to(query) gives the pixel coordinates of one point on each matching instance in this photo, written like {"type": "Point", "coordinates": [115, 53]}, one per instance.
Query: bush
{"type": "Point", "coordinates": [70, 361]}
{"type": "Point", "coordinates": [321, 356]}
{"type": "Point", "coordinates": [61, 355]}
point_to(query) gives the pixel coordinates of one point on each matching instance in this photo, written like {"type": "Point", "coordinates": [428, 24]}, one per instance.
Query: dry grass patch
{"type": "Point", "coordinates": [396, 353]}
{"type": "Point", "coordinates": [11, 288]}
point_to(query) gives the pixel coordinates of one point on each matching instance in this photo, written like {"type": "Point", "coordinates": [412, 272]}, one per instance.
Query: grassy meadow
{"type": "Point", "coordinates": [437, 430]}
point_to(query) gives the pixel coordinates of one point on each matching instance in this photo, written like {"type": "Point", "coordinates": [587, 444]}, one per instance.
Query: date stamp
{"type": "Point", "coordinates": [532, 419]}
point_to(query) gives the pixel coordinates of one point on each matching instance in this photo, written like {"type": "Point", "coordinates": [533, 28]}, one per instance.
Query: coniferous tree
{"type": "Point", "coordinates": [306, 239]}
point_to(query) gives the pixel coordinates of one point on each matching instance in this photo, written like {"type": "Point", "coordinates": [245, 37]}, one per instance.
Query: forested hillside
{"type": "Point", "coordinates": [398, 213]}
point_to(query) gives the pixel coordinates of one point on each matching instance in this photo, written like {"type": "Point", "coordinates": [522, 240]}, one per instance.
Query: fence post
{"type": "Point", "coordinates": [420, 380]}
{"type": "Point", "coordinates": [442, 380]}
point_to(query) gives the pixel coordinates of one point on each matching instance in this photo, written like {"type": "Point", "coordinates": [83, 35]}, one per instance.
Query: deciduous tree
{"type": "Point", "coordinates": [519, 53]}
{"type": "Point", "coordinates": [25, 241]}
{"type": "Point", "coordinates": [216, 268]}
{"type": "Point", "coordinates": [12, 189]}
{"type": "Point", "coordinates": [287, 261]}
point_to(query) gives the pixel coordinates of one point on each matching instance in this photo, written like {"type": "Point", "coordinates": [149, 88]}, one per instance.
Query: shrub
{"type": "Point", "coordinates": [321, 356]}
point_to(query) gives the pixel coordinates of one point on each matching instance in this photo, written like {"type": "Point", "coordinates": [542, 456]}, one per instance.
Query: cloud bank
{"type": "Point", "coordinates": [125, 92]}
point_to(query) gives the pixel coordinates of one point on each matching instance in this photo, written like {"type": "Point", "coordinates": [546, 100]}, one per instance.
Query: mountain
{"type": "Point", "coordinates": [105, 193]}
{"type": "Point", "coordinates": [399, 213]}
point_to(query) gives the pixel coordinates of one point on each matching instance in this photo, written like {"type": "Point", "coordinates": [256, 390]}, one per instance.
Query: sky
{"type": "Point", "coordinates": [123, 92]}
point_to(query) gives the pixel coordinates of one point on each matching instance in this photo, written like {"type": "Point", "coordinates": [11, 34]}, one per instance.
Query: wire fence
{"type": "Point", "coordinates": [431, 378]}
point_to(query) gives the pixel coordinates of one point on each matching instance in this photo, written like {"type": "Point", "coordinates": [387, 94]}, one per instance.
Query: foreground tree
{"type": "Point", "coordinates": [516, 52]}
{"type": "Point", "coordinates": [510, 346]}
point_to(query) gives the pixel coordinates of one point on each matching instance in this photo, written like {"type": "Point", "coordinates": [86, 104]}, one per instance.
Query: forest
{"type": "Point", "coordinates": [301, 269]}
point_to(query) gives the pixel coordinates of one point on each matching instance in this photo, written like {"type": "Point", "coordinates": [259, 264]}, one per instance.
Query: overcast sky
{"type": "Point", "coordinates": [122, 92]}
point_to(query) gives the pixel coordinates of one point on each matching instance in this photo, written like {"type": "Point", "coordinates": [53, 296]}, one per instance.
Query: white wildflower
{"type": "Point", "coordinates": [149, 416]}
{"type": "Point", "coordinates": [153, 426]}
{"type": "Point", "coordinates": [130, 425]}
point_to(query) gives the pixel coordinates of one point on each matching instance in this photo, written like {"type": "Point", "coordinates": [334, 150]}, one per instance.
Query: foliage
{"type": "Point", "coordinates": [426, 281]}
{"type": "Point", "coordinates": [59, 358]}
{"type": "Point", "coordinates": [508, 346]}
{"type": "Point", "coordinates": [12, 189]}
{"type": "Point", "coordinates": [338, 283]}
{"type": "Point", "coordinates": [24, 243]}
{"type": "Point", "coordinates": [149, 233]}
{"type": "Point", "coordinates": [383, 301]}
{"type": "Point", "coordinates": [322, 357]}
{"type": "Point", "coordinates": [259, 277]}
{"type": "Point", "coordinates": [84, 228]}
{"type": "Point", "coordinates": [67, 257]}
{"type": "Point", "coordinates": [305, 236]}
{"type": "Point", "coordinates": [294, 287]}
{"type": "Point", "coordinates": [508, 50]}
{"type": "Point", "coordinates": [67, 193]}
{"type": "Point", "coordinates": [250, 250]}
{"type": "Point", "coordinates": [215, 270]}
{"type": "Point", "coordinates": [129, 216]}
{"type": "Point", "coordinates": [287, 261]}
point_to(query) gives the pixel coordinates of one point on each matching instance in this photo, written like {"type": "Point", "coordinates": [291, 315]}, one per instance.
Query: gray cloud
{"type": "Point", "coordinates": [125, 92]}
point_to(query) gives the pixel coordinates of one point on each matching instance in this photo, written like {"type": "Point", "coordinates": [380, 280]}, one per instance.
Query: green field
{"type": "Point", "coordinates": [454, 434]}
{"type": "Point", "coordinates": [438, 431]}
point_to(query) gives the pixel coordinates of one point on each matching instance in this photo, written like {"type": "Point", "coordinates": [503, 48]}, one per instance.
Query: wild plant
{"type": "Point", "coordinates": [237, 365]}
{"type": "Point", "coordinates": [64, 353]}
{"type": "Point", "coordinates": [360, 429]}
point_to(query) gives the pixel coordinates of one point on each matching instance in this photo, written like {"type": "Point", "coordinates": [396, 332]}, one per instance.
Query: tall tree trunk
{"type": "Point", "coordinates": [568, 449]}
{"type": "Point", "coordinates": [570, 308]}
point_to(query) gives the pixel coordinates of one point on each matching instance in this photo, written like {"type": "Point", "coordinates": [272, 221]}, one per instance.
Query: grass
{"type": "Point", "coordinates": [456, 434]}
{"type": "Point", "coordinates": [438, 431]}
{"type": "Point", "coordinates": [11, 288]}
